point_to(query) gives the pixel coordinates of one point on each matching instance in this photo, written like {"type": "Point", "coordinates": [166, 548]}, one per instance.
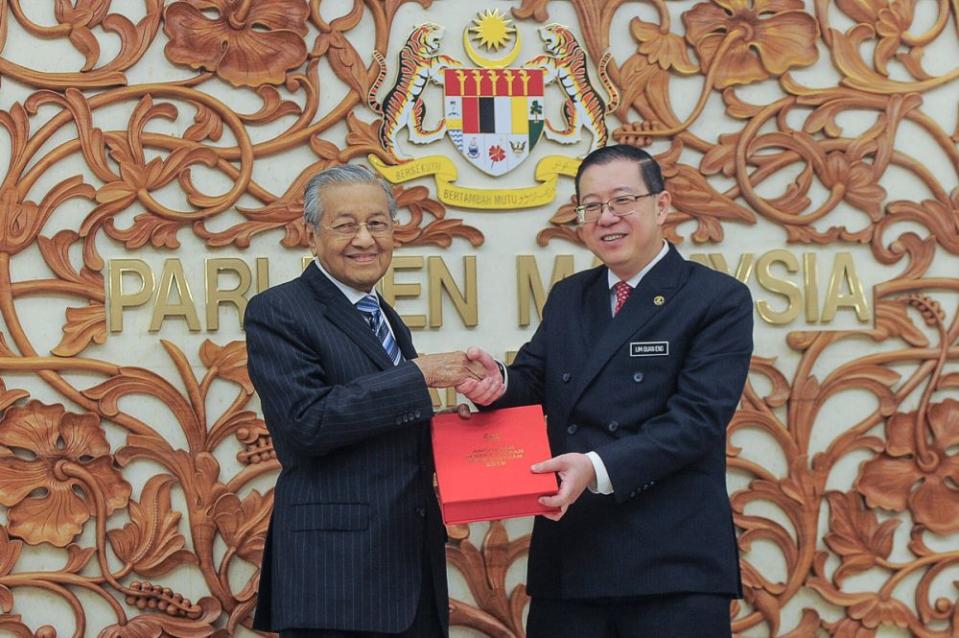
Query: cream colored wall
{"type": "Point", "coordinates": [812, 441]}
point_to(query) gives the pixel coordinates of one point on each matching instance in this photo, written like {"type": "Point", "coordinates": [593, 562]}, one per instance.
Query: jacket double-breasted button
{"type": "Point", "coordinates": [613, 426]}
{"type": "Point", "coordinates": [638, 377]}
{"type": "Point", "coordinates": [566, 377]}
{"type": "Point", "coordinates": [572, 428]}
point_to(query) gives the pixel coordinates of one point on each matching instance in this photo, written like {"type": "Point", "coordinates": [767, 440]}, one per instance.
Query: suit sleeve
{"type": "Point", "coordinates": [708, 390]}
{"type": "Point", "coordinates": [312, 415]}
{"type": "Point", "coordinates": [526, 375]}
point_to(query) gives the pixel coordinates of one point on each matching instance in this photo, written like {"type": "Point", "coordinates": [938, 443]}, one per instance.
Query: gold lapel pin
{"type": "Point", "coordinates": [659, 300]}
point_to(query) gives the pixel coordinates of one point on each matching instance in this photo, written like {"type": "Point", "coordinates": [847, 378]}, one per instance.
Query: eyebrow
{"type": "Point", "coordinates": [618, 189]}
{"type": "Point", "coordinates": [354, 216]}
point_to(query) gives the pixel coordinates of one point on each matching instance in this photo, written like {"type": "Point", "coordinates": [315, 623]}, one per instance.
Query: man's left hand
{"type": "Point", "coordinates": [576, 473]}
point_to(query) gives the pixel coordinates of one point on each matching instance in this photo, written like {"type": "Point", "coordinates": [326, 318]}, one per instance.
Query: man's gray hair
{"type": "Point", "coordinates": [343, 174]}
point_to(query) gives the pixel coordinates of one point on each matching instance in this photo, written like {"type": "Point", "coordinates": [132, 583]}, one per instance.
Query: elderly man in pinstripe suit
{"type": "Point", "coordinates": [356, 542]}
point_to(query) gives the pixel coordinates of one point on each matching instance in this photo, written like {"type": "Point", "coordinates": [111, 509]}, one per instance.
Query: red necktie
{"type": "Point", "coordinates": [622, 290]}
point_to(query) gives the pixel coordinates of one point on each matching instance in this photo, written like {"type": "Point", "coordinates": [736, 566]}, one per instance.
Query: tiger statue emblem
{"type": "Point", "coordinates": [403, 106]}
{"type": "Point", "coordinates": [583, 107]}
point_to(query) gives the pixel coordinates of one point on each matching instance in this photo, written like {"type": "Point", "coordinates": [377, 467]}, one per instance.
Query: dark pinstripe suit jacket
{"type": "Point", "coordinates": [355, 515]}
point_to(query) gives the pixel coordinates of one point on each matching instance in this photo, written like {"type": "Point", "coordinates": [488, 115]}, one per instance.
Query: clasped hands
{"type": "Point", "coordinates": [474, 374]}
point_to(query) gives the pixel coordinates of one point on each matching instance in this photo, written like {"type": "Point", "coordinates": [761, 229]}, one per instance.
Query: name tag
{"type": "Point", "coordinates": [649, 348]}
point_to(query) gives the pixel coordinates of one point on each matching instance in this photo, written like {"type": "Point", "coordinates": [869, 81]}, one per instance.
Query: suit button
{"type": "Point", "coordinates": [572, 428]}
{"type": "Point", "coordinates": [417, 414]}
{"type": "Point", "coordinates": [421, 512]}
{"type": "Point", "coordinates": [566, 377]}
{"type": "Point", "coordinates": [638, 377]}
{"type": "Point", "coordinates": [613, 426]}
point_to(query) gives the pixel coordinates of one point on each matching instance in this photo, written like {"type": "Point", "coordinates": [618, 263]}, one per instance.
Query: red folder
{"type": "Point", "coordinates": [482, 464]}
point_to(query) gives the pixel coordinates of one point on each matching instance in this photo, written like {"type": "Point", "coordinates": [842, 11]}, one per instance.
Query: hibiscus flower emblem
{"type": "Point", "coordinates": [249, 42]}
{"type": "Point", "coordinates": [43, 449]}
{"type": "Point", "coordinates": [496, 153]}
{"type": "Point", "coordinates": [768, 38]}
{"type": "Point", "coordinates": [920, 476]}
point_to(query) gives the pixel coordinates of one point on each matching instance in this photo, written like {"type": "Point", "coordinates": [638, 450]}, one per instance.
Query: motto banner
{"type": "Point", "coordinates": [152, 160]}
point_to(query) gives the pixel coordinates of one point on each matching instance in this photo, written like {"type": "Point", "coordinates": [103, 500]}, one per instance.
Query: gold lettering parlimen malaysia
{"type": "Point", "coordinates": [231, 281]}
{"type": "Point", "coordinates": [786, 288]}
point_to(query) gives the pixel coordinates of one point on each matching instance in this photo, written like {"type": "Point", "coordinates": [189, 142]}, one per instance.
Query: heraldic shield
{"type": "Point", "coordinates": [494, 116]}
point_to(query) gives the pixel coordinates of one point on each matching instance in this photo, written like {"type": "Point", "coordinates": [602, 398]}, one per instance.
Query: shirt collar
{"type": "Point", "coordinates": [633, 281]}
{"type": "Point", "coordinates": [352, 294]}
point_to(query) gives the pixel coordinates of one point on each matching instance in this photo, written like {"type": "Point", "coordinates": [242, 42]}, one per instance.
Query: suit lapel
{"type": "Point", "coordinates": [345, 317]}
{"type": "Point", "coordinates": [662, 280]}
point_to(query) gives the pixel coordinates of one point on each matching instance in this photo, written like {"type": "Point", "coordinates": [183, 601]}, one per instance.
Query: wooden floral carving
{"type": "Point", "coordinates": [915, 470]}
{"type": "Point", "coordinates": [249, 42]}
{"type": "Point", "coordinates": [95, 157]}
{"type": "Point", "coordinates": [69, 455]}
{"type": "Point", "coordinates": [744, 41]}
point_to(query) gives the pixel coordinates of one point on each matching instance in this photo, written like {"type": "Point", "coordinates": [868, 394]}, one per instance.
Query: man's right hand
{"type": "Point", "coordinates": [487, 389]}
{"type": "Point", "coordinates": [448, 369]}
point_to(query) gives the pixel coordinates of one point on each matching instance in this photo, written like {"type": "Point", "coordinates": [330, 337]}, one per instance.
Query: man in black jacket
{"type": "Point", "coordinates": [639, 364]}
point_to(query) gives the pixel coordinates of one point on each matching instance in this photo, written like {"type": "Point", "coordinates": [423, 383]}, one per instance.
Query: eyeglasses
{"type": "Point", "coordinates": [619, 206]}
{"type": "Point", "coordinates": [375, 227]}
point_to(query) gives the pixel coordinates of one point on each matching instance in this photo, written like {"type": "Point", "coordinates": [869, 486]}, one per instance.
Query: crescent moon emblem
{"type": "Point", "coordinates": [490, 63]}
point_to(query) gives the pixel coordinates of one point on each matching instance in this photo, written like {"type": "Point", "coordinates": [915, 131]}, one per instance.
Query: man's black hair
{"type": "Point", "coordinates": [648, 167]}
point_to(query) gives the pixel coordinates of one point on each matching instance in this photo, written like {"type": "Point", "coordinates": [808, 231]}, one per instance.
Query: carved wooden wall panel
{"type": "Point", "coordinates": [877, 554]}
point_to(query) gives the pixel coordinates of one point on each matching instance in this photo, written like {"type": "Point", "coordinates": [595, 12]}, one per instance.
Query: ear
{"type": "Point", "coordinates": [663, 201]}
{"type": "Point", "coordinates": [311, 237]}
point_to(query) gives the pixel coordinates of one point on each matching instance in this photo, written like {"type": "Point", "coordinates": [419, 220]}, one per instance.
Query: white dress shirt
{"type": "Point", "coordinates": [353, 294]}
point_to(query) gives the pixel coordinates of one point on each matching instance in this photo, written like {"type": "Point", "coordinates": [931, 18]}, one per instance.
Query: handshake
{"type": "Point", "coordinates": [474, 374]}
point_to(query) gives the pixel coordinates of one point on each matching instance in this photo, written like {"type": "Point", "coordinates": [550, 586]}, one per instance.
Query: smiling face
{"type": "Point", "coordinates": [624, 243]}
{"type": "Point", "coordinates": [359, 261]}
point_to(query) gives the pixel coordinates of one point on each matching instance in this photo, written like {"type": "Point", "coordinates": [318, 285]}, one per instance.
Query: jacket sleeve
{"type": "Point", "coordinates": [313, 416]}
{"type": "Point", "coordinates": [527, 374]}
{"type": "Point", "coordinates": [708, 390]}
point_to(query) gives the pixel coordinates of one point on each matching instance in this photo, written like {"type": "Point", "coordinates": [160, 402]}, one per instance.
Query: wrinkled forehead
{"type": "Point", "coordinates": [355, 201]}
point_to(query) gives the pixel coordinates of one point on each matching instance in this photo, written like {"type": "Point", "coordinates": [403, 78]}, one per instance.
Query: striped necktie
{"type": "Point", "coordinates": [370, 308]}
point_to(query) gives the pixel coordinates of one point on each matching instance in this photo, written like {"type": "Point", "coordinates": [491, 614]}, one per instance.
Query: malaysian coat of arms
{"type": "Point", "coordinates": [494, 113]}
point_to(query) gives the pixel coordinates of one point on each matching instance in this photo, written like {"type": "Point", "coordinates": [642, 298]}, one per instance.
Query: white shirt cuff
{"type": "Point", "coordinates": [603, 484]}
{"type": "Point", "coordinates": [502, 371]}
